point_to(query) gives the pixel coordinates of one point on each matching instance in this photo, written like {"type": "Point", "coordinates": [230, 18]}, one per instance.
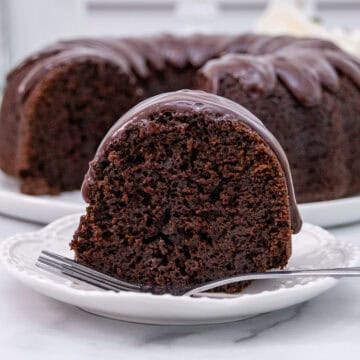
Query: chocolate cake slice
{"type": "Point", "coordinates": [185, 188]}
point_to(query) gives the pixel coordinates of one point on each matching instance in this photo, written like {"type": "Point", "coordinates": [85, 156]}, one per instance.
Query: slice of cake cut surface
{"type": "Point", "coordinates": [187, 187]}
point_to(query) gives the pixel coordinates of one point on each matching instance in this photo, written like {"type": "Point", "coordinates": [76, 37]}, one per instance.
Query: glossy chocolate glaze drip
{"type": "Point", "coordinates": [136, 57]}
{"type": "Point", "coordinates": [261, 44]}
{"type": "Point", "coordinates": [145, 48]}
{"type": "Point", "coordinates": [303, 71]}
{"type": "Point", "coordinates": [201, 48]}
{"type": "Point", "coordinates": [120, 49]}
{"type": "Point", "coordinates": [62, 58]}
{"type": "Point", "coordinates": [315, 64]}
{"type": "Point", "coordinates": [197, 102]}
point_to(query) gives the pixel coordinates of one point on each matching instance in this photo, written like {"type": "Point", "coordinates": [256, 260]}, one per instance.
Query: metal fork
{"type": "Point", "coordinates": [63, 265]}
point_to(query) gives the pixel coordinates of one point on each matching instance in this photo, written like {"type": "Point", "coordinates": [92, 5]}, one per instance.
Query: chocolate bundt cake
{"type": "Point", "coordinates": [59, 103]}
{"type": "Point", "coordinates": [309, 98]}
{"type": "Point", "coordinates": [187, 187]}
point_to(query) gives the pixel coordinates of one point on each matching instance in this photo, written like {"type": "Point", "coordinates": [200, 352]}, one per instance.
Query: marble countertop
{"type": "Point", "coordinates": [35, 327]}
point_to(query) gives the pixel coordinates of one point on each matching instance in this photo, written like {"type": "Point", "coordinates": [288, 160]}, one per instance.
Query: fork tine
{"type": "Point", "coordinates": [64, 268]}
{"type": "Point", "coordinates": [49, 265]}
{"type": "Point", "coordinates": [87, 270]}
{"type": "Point", "coordinates": [94, 282]}
{"type": "Point", "coordinates": [69, 267]}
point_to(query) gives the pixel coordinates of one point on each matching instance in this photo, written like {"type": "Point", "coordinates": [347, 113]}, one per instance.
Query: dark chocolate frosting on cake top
{"type": "Point", "coordinates": [198, 101]}
{"type": "Point", "coordinates": [261, 44]}
{"type": "Point", "coordinates": [284, 56]}
{"type": "Point", "coordinates": [134, 56]}
{"type": "Point", "coordinates": [305, 72]}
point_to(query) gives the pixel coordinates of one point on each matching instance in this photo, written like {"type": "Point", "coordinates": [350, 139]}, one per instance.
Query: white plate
{"type": "Point", "coordinates": [313, 247]}
{"type": "Point", "coordinates": [42, 209]}
{"type": "Point", "coordinates": [46, 208]}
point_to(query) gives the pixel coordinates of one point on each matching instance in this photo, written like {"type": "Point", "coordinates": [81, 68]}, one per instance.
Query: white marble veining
{"type": "Point", "coordinates": [35, 327]}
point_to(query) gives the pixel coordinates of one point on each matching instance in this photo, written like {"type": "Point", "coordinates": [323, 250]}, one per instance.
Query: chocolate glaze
{"type": "Point", "coordinates": [305, 72]}
{"type": "Point", "coordinates": [201, 48]}
{"type": "Point", "coordinates": [68, 57]}
{"type": "Point", "coordinates": [136, 57]}
{"type": "Point", "coordinates": [196, 102]}
{"type": "Point", "coordinates": [303, 65]}
{"type": "Point", "coordinates": [261, 44]}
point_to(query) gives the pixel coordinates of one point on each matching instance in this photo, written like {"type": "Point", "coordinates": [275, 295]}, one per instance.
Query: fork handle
{"type": "Point", "coordinates": [278, 274]}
